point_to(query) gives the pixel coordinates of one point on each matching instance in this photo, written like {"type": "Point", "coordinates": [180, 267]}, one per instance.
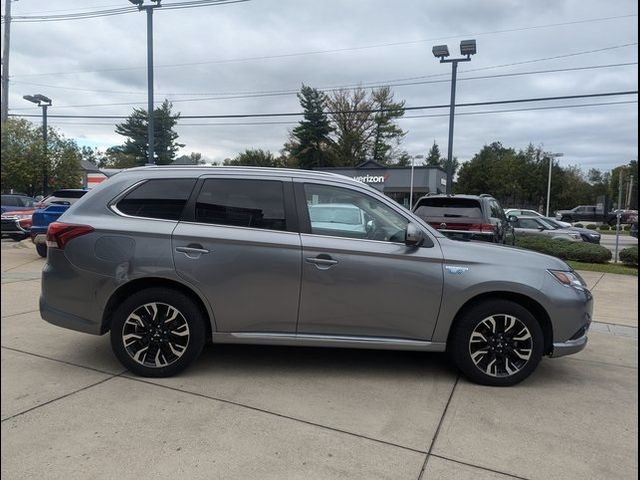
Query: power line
{"type": "Point", "coordinates": [116, 11]}
{"type": "Point", "coordinates": [378, 110]}
{"type": "Point", "coordinates": [482, 112]}
{"type": "Point", "coordinates": [267, 57]}
{"type": "Point", "coordinates": [272, 93]}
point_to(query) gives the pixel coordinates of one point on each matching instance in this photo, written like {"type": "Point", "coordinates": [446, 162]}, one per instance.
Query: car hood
{"type": "Point", "coordinates": [461, 252]}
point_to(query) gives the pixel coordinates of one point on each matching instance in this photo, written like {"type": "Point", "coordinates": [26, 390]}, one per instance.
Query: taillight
{"type": "Point", "coordinates": [59, 234]}
{"type": "Point", "coordinates": [488, 227]}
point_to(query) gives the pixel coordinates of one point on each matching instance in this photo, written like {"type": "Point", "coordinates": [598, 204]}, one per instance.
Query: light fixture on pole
{"type": "Point", "coordinates": [44, 103]}
{"type": "Point", "coordinates": [551, 157]}
{"type": "Point", "coordinates": [467, 48]}
{"type": "Point", "coordinates": [150, 127]}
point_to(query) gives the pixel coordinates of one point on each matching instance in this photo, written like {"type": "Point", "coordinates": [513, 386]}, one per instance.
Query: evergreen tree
{"type": "Point", "coordinates": [134, 128]}
{"type": "Point", "coordinates": [310, 139]}
{"type": "Point", "coordinates": [434, 158]}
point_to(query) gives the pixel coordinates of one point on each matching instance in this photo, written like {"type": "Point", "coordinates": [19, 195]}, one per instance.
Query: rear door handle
{"type": "Point", "coordinates": [321, 261]}
{"type": "Point", "coordinates": [192, 251]}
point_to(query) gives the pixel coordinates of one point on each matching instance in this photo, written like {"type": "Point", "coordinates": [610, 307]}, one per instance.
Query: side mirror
{"type": "Point", "coordinates": [512, 219]}
{"type": "Point", "coordinates": [541, 228]}
{"type": "Point", "coordinates": [414, 236]}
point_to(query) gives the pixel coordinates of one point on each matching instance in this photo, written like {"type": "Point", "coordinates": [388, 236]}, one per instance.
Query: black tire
{"type": "Point", "coordinates": [135, 318]}
{"type": "Point", "coordinates": [566, 219]}
{"type": "Point", "coordinates": [41, 248]}
{"type": "Point", "coordinates": [462, 347]}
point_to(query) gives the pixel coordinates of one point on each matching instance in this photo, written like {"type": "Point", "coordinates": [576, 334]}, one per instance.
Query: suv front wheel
{"type": "Point", "coordinates": [157, 332]}
{"type": "Point", "coordinates": [497, 343]}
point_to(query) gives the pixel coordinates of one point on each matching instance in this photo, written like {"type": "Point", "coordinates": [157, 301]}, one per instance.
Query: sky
{"type": "Point", "coordinates": [240, 49]}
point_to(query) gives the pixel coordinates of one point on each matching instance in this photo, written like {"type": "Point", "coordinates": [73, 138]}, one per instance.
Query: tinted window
{"type": "Point", "coordinates": [10, 201]}
{"type": "Point", "coordinates": [242, 203]}
{"type": "Point", "coordinates": [527, 223]}
{"type": "Point", "coordinates": [68, 193]}
{"type": "Point", "coordinates": [449, 207]}
{"type": "Point", "coordinates": [164, 199]}
{"type": "Point", "coordinates": [341, 212]}
{"type": "Point", "coordinates": [496, 210]}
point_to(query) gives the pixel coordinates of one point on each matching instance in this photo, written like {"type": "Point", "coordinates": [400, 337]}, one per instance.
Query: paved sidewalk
{"type": "Point", "coordinates": [69, 410]}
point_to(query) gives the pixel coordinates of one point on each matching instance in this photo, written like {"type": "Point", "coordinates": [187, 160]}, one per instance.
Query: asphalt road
{"type": "Point", "coordinates": [609, 241]}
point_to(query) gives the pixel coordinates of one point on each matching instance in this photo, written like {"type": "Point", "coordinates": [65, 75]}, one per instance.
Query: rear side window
{"type": "Point", "coordinates": [68, 193]}
{"type": "Point", "coordinates": [496, 210]}
{"type": "Point", "coordinates": [242, 203]}
{"type": "Point", "coordinates": [10, 201]}
{"type": "Point", "coordinates": [162, 198]}
{"type": "Point", "coordinates": [449, 208]}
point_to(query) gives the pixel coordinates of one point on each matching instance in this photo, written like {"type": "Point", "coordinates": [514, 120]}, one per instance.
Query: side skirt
{"type": "Point", "coordinates": [306, 340]}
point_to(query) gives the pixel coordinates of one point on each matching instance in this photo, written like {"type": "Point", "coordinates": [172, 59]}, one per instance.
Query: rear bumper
{"type": "Point", "coordinates": [67, 320]}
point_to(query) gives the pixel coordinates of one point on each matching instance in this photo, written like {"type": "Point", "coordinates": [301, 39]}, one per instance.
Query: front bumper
{"type": "Point", "coordinates": [569, 347]}
{"type": "Point", "coordinates": [11, 226]}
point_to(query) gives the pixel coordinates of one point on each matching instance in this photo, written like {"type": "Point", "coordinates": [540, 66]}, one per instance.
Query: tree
{"type": "Point", "coordinates": [309, 141]}
{"type": "Point", "coordinates": [353, 125]}
{"type": "Point", "coordinates": [134, 128]}
{"type": "Point", "coordinates": [434, 158]}
{"type": "Point", "coordinates": [387, 134]}
{"type": "Point", "coordinates": [255, 158]}
{"type": "Point", "coordinates": [25, 159]}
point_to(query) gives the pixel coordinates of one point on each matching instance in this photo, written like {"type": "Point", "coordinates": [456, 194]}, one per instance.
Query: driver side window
{"type": "Point", "coordinates": [340, 212]}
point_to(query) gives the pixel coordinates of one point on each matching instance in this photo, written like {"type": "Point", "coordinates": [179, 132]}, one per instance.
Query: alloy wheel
{"type": "Point", "coordinates": [500, 345]}
{"type": "Point", "coordinates": [155, 335]}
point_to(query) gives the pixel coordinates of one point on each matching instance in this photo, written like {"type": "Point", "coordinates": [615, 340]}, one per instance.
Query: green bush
{"type": "Point", "coordinates": [578, 225]}
{"type": "Point", "coordinates": [629, 256]}
{"type": "Point", "coordinates": [592, 226]}
{"type": "Point", "coordinates": [566, 250]}
{"type": "Point", "coordinates": [627, 228]}
{"type": "Point", "coordinates": [604, 227]}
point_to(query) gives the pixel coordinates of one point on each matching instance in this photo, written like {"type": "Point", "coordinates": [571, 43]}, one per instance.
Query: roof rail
{"type": "Point", "coordinates": [485, 195]}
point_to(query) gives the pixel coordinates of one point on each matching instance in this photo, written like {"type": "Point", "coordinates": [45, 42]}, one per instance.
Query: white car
{"type": "Point", "coordinates": [523, 212]}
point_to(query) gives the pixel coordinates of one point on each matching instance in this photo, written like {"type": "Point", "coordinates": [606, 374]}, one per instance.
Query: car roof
{"type": "Point", "coordinates": [166, 171]}
{"type": "Point", "coordinates": [460, 195]}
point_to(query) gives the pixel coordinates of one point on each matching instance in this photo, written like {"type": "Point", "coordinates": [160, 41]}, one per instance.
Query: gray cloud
{"type": "Point", "coordinates": [601, 137]}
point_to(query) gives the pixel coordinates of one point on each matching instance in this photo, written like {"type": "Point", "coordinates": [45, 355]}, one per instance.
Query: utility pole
{"type": "Point", "coordinates": [5, 61]}
{"type": "Point", "coordinates": [630, 192]}
{"type": "Point", "coordinates": [150, 120]}
{"type": "Point", "coordinates": [619, 214]}
{"type": "Point", "coordinates": [551, 157]}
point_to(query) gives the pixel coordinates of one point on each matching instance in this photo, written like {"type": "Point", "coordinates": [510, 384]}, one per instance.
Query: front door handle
{"type": "Point", "coordinates": [192, 251]}
{"type": "Point", "coordinates": [322, 261]}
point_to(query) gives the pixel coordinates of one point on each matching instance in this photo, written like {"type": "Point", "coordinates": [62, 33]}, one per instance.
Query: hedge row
{"type": "Point", "coordinates": [629, 256]}
{"type": "Point", "coordinates": [566, 250]}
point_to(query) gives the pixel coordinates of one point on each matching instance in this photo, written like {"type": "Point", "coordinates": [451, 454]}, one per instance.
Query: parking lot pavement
{"type": "Point", "coordinates": [70, 411]}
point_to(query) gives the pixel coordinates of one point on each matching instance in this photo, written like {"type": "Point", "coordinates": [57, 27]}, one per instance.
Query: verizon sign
{"type": "Point", "coordinates": [371, 178]}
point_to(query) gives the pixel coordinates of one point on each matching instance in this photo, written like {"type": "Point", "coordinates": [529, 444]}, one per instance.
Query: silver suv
{"type": "Point", "coordinates": [168, 258]}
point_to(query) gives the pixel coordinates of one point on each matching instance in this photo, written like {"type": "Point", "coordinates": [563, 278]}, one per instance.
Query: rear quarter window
{"type": "Point", "coordinates": [162, 198]}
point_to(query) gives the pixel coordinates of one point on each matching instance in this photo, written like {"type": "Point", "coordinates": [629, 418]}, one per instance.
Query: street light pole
{"type": "Point", "coordinates": [467, 48]}
{"type": "Point", "coordinates": [150, 108]}
{"type": "Point", "coordinates": [411, 187]}
{"type": "Point", "coordinates": [44, 103]}
{"type": "Point", "coordinates": [551, 157]}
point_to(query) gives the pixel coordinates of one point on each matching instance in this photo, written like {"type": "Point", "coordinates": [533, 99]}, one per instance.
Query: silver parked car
{"type": "Point", "coordinates": [527, 226]}
{"type": "Point", "coordinates": [167, 258]}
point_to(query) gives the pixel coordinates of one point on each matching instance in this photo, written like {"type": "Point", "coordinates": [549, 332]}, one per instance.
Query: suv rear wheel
{"type": "Point", "coordinates": [157, 332]}
{"type": "Point", "coordinates": [497, 343]}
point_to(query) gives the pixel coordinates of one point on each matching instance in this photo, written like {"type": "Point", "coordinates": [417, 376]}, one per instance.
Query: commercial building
{"type": "Point", "coordinates": [395, 182]}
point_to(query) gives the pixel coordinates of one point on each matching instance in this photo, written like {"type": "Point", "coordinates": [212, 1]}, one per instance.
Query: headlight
{"type": "Point", "coordinates": [569, 279]}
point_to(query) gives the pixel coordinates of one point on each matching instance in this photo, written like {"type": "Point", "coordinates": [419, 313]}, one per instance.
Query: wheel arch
{"type": "Point", "coordinates": [536, 309]}
{"type": "Point", "coordinates": [134, 286]}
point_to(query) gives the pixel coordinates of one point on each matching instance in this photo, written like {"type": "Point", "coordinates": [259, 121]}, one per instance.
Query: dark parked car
{"type": "Point", "coordinates": [16, 224]}
{"type": "Point", "coordinates": [168, 258]}
{"type": "Point", "coordinates": [466, 217]}
{"type": "Point", "coordinates": [16, 202]}
{"type": "Point", "coordinates": [593, 213]}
